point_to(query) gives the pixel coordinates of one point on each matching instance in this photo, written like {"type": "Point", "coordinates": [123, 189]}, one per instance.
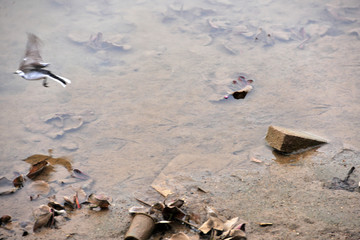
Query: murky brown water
{"type": "Point", "coordinates": [129, 113]}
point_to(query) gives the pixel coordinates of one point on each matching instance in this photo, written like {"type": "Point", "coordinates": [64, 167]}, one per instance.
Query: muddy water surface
{"type": "Point", "coordinates": [151, 104]}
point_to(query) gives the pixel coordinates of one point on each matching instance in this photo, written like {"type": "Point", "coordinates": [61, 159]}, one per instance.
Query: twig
{"type": "Point", "coordinates": [349, 173]}
{"type": "Point", "coordinates": [142, 202]}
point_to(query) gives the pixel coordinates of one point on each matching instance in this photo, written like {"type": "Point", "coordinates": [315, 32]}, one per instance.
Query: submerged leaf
{"type": "Point", "coordinates": [36, 158]}
{"type": "Point", "coordinates": [65, 162]}
{"type": "Point", "coordinates": [38, 187]}
{"type": "Point", "coordinates": [79, 174]}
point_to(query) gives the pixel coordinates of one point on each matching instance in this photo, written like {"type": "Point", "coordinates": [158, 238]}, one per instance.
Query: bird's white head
{"type": "Point", "coordinates": [19, 72]}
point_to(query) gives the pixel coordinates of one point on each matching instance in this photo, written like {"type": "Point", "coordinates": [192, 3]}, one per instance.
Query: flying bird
{"type": "Point", "coordinates": [32, 66]}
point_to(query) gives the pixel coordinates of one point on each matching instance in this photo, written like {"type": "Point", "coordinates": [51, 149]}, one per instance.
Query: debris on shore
{"type": "Point", "coordinates": [288, 141]}
{"type": "Point", "coordinates": [148, 219]}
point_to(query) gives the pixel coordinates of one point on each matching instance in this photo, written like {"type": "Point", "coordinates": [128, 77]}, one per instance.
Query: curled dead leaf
{"type": "Point", "coordinates": [172, 210]}
{"type": "Point", "coordinates": [56, 205]}
{"type": "Point", "coordinates": [212, 223]}
{"type": "Point", "coordinates": [99, 200]}
{"type": "Point", "coordinates": [36, 169]}
{"type": "Point", "coordinates": [44, 217]}
{"type": "Point", "coordinates": [236, 234]}
{"type": "Point", "coordinates": [68, 203]}
{"type": "Point", "coordinates": [234, 229]}
{"type": "Point", "coordinates": [18, 181]}
{"type": "Point", "coordinates": [157, 207]}
{"type": "Point", "coordinates": [5, 219]}
{"type": "Point", "coordinates": [176, 203]}
{"type": "Point", "coordinates": [173, 213]}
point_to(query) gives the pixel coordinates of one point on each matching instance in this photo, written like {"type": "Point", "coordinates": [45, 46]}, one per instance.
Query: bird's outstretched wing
{"type": "Point", "coordinates": [32, 58]}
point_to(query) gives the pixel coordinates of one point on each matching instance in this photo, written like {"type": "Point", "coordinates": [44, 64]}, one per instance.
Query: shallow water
{"type": "Point", "coordinates": [129, 113]}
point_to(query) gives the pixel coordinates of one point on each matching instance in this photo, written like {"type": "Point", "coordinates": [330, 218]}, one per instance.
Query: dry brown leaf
{"type": "Point", "coordinates": [56, 205]}
{"type": "Point", "coordinates": [18, 181]}
{"type": "Point", "coordinates": [236, 234]}
{"type": "Point", "coordinates": [36, 169]}
{"type": "Point", "coordinates": [5, 219]}
{"type": "Point", "coordinates": [44, 217]}
{"type": "Point", "coordinates": [162, 190]}
{"type": "Point", "coordinates": [212, 223]}
{"type": "Point", "coordinates": [99, 200]}
{"type": "Point", "coordinates": [230, 224]}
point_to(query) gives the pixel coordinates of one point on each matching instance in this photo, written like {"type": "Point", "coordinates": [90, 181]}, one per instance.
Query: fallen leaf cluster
{"type": "Point", "coordinates": [96, 41]}
{"type": "Point", "coordinates": [41, 167]}
{"type": "Point", "coordinates": [37, 186]}
{"type": "Point", "coordinates": [46, 215]}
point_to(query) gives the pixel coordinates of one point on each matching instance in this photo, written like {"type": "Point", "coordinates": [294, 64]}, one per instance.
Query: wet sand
{"type": "Point", "coordinates": [144, 107]}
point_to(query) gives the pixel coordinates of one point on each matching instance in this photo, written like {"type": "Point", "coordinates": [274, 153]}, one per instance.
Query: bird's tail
{"type": "Point", "coordinates": [63, 81]}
